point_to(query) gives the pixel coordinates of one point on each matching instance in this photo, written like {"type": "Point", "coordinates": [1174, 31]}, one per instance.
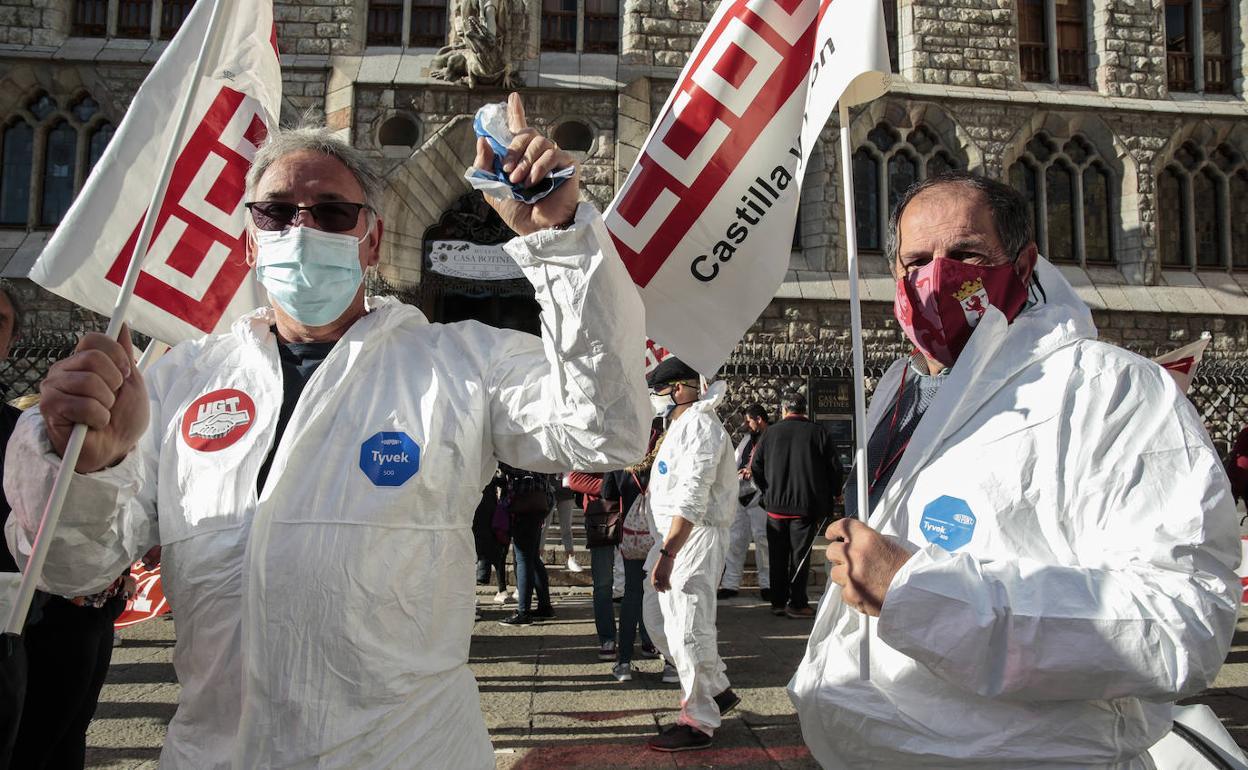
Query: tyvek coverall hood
{"type": "Point", "coordinates": [326, 622]}
{"type": "Point", "coordinates": [694, 476]}
{"type": "Point", "coordinates": [1076, 542]}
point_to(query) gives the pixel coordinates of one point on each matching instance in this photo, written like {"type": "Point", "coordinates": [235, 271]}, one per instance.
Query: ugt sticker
{"type": "Point", "coordinates": [389, 458]}
{"type": "Point", "coordinates": [217, 420]}
{"type": "Point", "coordinates": [948, 522]}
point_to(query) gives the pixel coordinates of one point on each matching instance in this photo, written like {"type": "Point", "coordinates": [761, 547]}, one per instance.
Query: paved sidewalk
{"type": "Point", "coordinates": [549, 703]}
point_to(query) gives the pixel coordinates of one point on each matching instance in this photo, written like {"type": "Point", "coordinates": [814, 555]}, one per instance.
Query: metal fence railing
{"type": "Point", "coordinates": [755, 372]}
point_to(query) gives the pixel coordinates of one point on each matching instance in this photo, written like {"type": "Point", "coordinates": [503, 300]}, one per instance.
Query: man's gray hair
{"type": "Point", "coordinates": [1010, 212]}
{"type": "Point", "coordinates": [284, 141]}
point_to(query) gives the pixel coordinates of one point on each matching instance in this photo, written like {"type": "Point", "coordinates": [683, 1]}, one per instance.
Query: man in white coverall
{"type": "Point", "coordinates": [693, 498]}
{"type": "Point", "coordinates": [323, 579]}
{"type": "Point", "coordinates": [1050, 544]}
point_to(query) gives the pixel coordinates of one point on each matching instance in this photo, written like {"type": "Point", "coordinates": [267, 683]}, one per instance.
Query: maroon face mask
{"type": "Point", "coordinates": [939, 304]}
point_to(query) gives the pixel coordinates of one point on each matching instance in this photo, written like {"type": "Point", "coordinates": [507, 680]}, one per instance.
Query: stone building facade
{"type": "Point", "coordinates": [1124, 121]}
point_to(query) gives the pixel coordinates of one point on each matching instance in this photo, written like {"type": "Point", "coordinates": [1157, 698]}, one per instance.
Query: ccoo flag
{"type": "Point", "coordinates": [1182, 363]}
{"type": "Point", "coordinates": [195, 278]}
{"type": "Point", "coordinates": [705, 218]}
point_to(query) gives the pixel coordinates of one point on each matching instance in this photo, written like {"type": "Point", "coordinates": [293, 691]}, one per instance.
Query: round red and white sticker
{"type": "Point", "coordinates": [216, 420]}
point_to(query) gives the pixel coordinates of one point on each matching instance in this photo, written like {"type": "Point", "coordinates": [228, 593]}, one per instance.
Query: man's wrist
{"type": "Point", "coordinates": [669, 554]}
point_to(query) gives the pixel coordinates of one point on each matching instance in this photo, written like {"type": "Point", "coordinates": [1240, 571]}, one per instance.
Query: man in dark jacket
{"type": "Point", "coordinates": [796, 469]}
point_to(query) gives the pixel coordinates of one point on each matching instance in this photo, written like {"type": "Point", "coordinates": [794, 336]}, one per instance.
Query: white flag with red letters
{"type": "Point", "coordinates": [195, 278]}
{"type": "Point", "coordinates": [705, 219]}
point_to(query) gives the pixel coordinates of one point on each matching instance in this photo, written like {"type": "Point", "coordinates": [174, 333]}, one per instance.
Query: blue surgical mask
{"type": "Point", "coordinates": [313, 275]}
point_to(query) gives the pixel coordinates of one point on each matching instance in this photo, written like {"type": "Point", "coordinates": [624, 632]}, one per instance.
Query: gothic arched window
{"type": "Point", "coordinates": [1202, 217]}
{"type": "Point", "coordinates": [68, 138]}
{"type": "Point", "coordinates": [1071, 193]}
{"type": "Point", "coordinates": [885, 167]}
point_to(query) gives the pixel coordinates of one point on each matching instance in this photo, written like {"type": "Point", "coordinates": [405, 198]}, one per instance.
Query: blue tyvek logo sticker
{"type": "Point", "coordinates": [389, 458]}
{"type": "Point", "coordinates": [662, 467]}
{"type": "Point", "coordinates": [948, 522]}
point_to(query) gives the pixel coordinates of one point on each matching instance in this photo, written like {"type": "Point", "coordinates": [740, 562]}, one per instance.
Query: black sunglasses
{"type": "Point", "coordinates": [331, 216]}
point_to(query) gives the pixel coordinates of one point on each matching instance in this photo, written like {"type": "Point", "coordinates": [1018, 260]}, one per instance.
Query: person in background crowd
{"type": "Point", "coordinates": [796, 468]}
{"type": "Point", "coordinates": [491, 550]}
{"type": "Point", "coordinates": [600, 567]}
{"type": "Point", "coordinates": [563, 505]}
{"type": "Point", "coordinates": [528, 497]}
{"type": "Point", "coordinates": [751, 520]}
{"type": "Point", "coordinates": [625, 486]}
{"type": "Point", "coordinates": [324, 607]}
{"type": "Point", "coordinates": [693, 497]}
{"type": "Point", "coordinates": [1047, 560]}
{"type": "Point", "coordinates": [68, 640]}
{"type": "Point", "coordinates": [1236, 466]}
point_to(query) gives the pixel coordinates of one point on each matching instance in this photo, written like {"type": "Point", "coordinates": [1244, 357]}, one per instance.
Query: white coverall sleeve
{"type": "Point", "coordinates": [107, 522]}
{"type": "Point", "coordinates": [1148, 606]}
{"type": "Point", "coordinates": [576, 398]}
{"type": "Point", "coordinates": [696, 446]}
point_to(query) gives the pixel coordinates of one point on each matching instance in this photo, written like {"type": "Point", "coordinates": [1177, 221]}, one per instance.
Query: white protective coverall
{"type": "Point", "coordinates": [749, 523]}
{"type": "Point", "coordinates": [327, 623]}
{"type": "Point", "coordinates": [694, 477]}
{"type": "Point", "coordinates": [1087, 576]}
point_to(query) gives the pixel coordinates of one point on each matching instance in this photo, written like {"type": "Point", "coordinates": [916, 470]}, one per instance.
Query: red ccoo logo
{"type": "Point", "coordinates": [216, 420]}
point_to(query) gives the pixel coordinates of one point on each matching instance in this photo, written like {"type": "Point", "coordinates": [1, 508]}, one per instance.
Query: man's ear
{"type": "Point", "coordinates": [1025, 265]}
{"type": "Point", "coordinates": [374, 244]}
{"type": "Point", "coordinates": [251, 247]}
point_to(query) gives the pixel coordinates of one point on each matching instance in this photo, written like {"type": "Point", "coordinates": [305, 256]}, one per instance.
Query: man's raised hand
{"type": "Point", "coordinates": [101, 387]}
{"type": "Point", "coordinates": [530, 158]}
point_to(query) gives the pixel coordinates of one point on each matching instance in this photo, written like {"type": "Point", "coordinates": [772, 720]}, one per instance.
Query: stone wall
{"type": "Point", "coordinates": [34, 22]}
{"type": "Point", "coordinates": [963, 42]}
{"type": "Point", "coordinates": [663, 32]}
{"type": "Point", "coordinates": [1130, 48]}
{"type": "Point", "coordinates": [320, 26]}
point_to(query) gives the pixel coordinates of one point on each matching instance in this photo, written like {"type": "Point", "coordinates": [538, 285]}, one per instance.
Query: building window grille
{"type": "Point", "coordinates": [90, 18]}
{"type": "Point", "coordinates": [133, 19]}
{"type": "Point", "coordinates": [1040, 23]}
{"type": "Point", "coordinates": [559, 21]}
{"type": "Point", "coordinates": [428, 28]}
{"type": "Point", "coordinates": [406, 23]}
{"type": "Point", "coordinates": [1198, 46]}
{"type": "Point", "coordinates": [1215, 30]}
{"type": "Point", "coordinates": [884, 168]}
{"type": "Point", "coordinates": [1070, 193]}
{"type": "Point", "coordinates": [585, 26]}
{"type": "Point", "coordinates": [67, 141]}
{"type": "Point", "coordinates": [1202, 217]}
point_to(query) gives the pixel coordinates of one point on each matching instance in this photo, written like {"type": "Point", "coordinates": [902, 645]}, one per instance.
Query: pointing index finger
{"type": "Point", "coordinates": [516, 119]}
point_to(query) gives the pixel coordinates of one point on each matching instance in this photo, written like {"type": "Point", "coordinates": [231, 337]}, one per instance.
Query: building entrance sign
{"type": "Point", "coordinates": [473, 261]}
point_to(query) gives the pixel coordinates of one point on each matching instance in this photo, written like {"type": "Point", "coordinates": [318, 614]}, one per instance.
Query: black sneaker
{"type": "Point", "coordinates": [649, 651]}
{"type": "Point", "coordinates": [727, 701]}
{"type": "Point", "coordinates": [544, 613]}
{"type": "Point", "coordinates": [725, 593]}
{"type": "Point", "coordinates": [518, 619]}
{"type": "Point", "coordinates": [680, 738]}
{"type": "Point", "coordinates": [765, 593]}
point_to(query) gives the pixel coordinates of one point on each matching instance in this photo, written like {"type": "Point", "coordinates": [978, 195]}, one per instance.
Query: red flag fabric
{"type": "Point", "coordinates": [148, 600]}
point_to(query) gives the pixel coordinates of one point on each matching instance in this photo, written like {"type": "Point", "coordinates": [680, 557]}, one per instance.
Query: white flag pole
{"type": "Point", "coordinates": [73, 449]}
{"type": "Point", "coordinates": [860, 396]}
{"type": "Point", "coordinates": [155, 349]}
